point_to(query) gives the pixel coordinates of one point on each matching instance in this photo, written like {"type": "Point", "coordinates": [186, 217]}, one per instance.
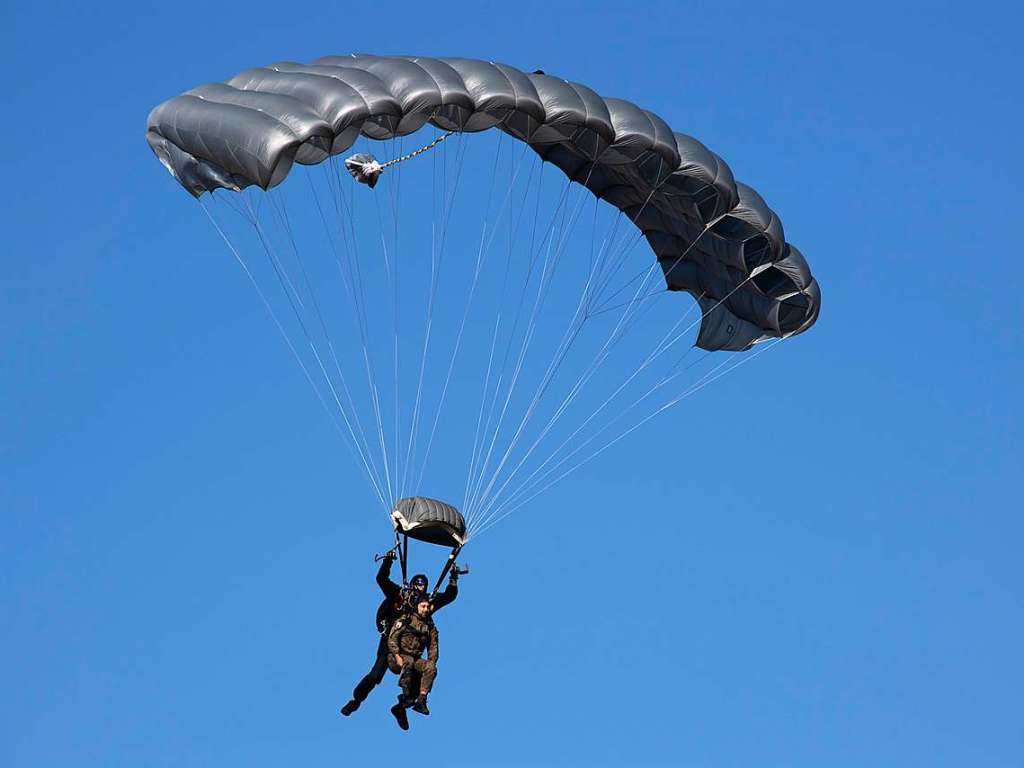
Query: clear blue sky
{"type": "Point", "coordinates": [185, 552]}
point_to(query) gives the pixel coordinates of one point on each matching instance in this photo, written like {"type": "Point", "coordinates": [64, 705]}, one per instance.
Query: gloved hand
{"type": "Point", "coordinates": [389, 556]}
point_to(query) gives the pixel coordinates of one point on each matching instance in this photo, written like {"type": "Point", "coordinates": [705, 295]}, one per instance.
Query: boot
{"type": "Point", "coordinates": [349, 708]}
{"type": "Point", "coordinates": [403, 719]}
{"type": "Point", "coordinates": [420, 705]}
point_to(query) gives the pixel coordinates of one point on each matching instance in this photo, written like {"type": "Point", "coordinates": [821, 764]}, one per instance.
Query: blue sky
{"type": "Point", "coordinates": [814, 562]}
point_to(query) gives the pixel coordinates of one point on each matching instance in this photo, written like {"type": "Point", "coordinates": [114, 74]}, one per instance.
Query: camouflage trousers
{"type": "Point", "coordinates": [413, 671]}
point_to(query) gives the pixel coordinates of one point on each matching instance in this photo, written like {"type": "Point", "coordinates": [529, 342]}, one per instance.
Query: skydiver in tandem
{"type": "Point", "coordinates": [409, 637]}
{"type": "Point", "coordinates": [398, 601]}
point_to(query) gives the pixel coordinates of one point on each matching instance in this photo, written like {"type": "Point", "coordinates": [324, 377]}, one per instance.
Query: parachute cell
{"type": "Point", "coordinates": [713, 237]}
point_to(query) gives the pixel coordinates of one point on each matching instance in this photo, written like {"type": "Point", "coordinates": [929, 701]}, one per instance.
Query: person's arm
{"type": "Point", "coordinates": [432, 649]}
{"type": "Point", "coordinates": [387, 586]}
{"type": "Point", "coordinates": [393, 648]}
{"type": "Point", "coordinates": [448, 596]}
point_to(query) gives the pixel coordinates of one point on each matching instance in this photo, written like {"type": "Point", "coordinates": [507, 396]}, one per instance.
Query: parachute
{"type": "Point", "coordinates": [430, 521]}
{"type": "Point", "coordinates": [712, 237]}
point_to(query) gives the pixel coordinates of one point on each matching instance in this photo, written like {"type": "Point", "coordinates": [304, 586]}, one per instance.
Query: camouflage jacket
{"type": "Point", "coordinates": [411, 635]}
{"type": "Point", "coordinates": [396, 600]}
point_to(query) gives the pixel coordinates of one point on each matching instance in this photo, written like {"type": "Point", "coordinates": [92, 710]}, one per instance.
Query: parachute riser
{"type": "Point", "coordinates": [449, 564]}
{"type": "Point", "coordinates": [401, 551]}
{"type": "Point", "coordinates": [403, 557]}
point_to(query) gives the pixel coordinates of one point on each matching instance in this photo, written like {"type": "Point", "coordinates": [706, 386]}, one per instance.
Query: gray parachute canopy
{"type": "Point", "coordinates": [714, 237]}
{"type": "Point", "coordinates": [429, 520]}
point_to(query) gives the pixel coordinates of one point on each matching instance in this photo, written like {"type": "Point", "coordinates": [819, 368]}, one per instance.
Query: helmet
{"type": "Point", "coordinates": [419, 581]}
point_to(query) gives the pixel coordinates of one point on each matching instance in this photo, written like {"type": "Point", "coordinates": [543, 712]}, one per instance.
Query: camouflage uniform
{"type": "Point", "coordinates": [396, 601]}
{"type": "Point", "coordinates": [409, 637]}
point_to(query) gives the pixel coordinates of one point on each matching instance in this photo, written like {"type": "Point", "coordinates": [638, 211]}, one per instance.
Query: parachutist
{"type": "Point", "coordinates": [397, 600]}
{"type": "Point", "coordinates": [408, 638]}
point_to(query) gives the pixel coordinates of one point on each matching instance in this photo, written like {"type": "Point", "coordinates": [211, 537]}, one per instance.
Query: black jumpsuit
{"type": "Point", "coordinates": [389, 610]}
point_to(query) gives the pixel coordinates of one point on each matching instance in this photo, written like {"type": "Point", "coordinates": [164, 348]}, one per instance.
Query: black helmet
{"type": "Point", "coordinates": [419, 581]}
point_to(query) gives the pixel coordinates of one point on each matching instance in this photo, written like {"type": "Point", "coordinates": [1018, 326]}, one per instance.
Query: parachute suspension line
{"type": "Point", "coordinates": [568, 338]}
{"type": "Point", "coordinates": [449, 205]}
{"type": "Point", "coordinates": [513, 231]}
{"type": "Point", "coordinates": [295, 354]}
{"type": "Point", "coordinates": [427, 328]}
{"type": "Point", "coordinates": [548, 267]}
{"type": "Point", "coordinates": [621, 249]}
{"type": "Point", "coordinates": [494, 506]}
{"type": "Point", "coordinates": [531, 481]}
{"type": "Point", "coordinates": [365, 169]}
{"type": "Point", "coordinates": [598, 361]}
{"type": "Point", "coordinates": [349, 273]}
{"type": "Point", "coordinates": [659, 350]}
{"type": "Point", "coordinates": [353, 304]}
{"type": "Point", "coordinates": [543, 282]}
{"type": "Point", "coordinates": [705, 381]}
{"type": "Point", "coordinates": [345, 211]}
{"type": "Point", "coordinates": [576, 387]}
{"type": "Point", "coordinates": [482, 253]}
{"type": "Point", "coordinates": [282, 212]}
{"type": "Point", "coordinates": [601, 308]}
{"type": "Point", "coordinates": [480, 437]}
{"type": "Point", "coordinates": [601, 357]}
{"type": "Point", "coordinates": [356, 274]}
{"type": "Point", "coordinates": [393, 191]}
{"type": "Point", "coordinates": [437, 250]}
{"type": "Point", "coordinates": [652, 295]}
{"type": "Point", "coordinates": [506, 204]}
{"type": "Point", "coordinates": [621, 246]}
{"type": "Point", "coordinates": [480, 260]}
{"type": "Point", "coordinates": [633, 238]}
{"type": "Point", "coordinates": [391, 271]}
{"type": "Point", "coordinates": [286, 283]}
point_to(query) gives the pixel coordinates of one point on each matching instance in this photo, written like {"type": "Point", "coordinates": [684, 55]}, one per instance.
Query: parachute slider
{"type": "Point", "coordinates": [430, 521]}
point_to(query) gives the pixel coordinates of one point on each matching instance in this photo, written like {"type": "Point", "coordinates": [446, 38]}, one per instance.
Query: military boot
{"type": "Point", "coordinates": [420, 705]}
{"type": "Point", "coordinates": [403, 719]}
{"type": "Point", "coordinates": [349, 708]}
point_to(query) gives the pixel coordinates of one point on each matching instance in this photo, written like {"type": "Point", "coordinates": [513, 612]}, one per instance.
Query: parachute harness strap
{"type": "Point", "coordinates": [366, 169]}
{"type": "Point", "coordinates": [403, 549]}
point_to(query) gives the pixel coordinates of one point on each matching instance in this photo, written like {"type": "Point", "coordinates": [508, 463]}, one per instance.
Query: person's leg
{"type": "Point", "coordinates": [371, 680]}
{"type": "Point", "coordinates": [427, 672]}
{"type": "Point", "coordinates": [408, 679]}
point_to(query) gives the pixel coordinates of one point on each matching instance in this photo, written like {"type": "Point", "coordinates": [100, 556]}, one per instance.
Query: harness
{"type": "Point", "coordinates": [423, 638]}
{"type": "Point", "coordinates": [392, 610]}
